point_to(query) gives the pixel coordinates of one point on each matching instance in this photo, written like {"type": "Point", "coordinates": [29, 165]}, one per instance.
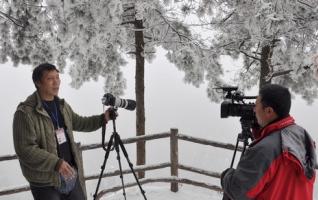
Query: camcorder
{"type": "Point", "coordinates": [235, 105]}
{"type": "Point", "coordinates": [110, 100]}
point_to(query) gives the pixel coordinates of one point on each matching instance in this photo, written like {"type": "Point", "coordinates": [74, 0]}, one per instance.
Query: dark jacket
{"type": "Point", "coordinates": [35, 141]}
{"type": "Point", "coordinates": [280, 165]}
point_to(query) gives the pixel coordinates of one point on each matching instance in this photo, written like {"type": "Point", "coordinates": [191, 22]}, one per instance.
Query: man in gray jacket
{"type": "Point", "coordinates": [43, 139]}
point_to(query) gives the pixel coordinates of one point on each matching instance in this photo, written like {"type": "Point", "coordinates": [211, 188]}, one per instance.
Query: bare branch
{"type": "Point", "coordinates": [148, 37]}
{"type": "Point", "coordinates": [241, 44]}
{"type": "Point", "coordinates": [131, 52]}
{"type": "Point", "coordinates": [306, 4]}
{"type": "Point", "coordinates": [225, 45]}
{"type": "Point", "coordinates": [12, 19]}
{"type": "Point", "coordinates": [36, 6]}
{"type": "Point", "coordinates": [228, 17]}
{"type": "Point", "coordinates": [281, 73]}
{"type": "Point", "coordinates": [246, 54]}
{"type": "Point", "coordinates": [202, 24]}
{"type": "Point", "coordinates": [172, 28]}
{"type": "Point", "coordinates": [128, 22]}
{"type": "Point", "coordinates": [250, 64]}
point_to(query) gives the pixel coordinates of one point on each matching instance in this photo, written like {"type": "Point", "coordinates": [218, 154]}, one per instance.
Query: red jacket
{"type": "Point", "coordinates": [279, 165]}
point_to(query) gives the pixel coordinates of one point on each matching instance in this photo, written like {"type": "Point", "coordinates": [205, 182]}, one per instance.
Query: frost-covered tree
{"type": "Point", "coordinates": [277, 39]}
{"type": "Point", "coordinates": [96, 36]}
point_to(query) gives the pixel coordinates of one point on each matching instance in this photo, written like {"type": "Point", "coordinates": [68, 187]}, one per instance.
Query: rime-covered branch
{"type": "Point", "coordinates": [12, 19]}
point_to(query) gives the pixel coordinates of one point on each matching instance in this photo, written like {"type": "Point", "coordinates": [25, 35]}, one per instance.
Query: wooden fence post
{"type": "Point", "coordinates": [174, 159]}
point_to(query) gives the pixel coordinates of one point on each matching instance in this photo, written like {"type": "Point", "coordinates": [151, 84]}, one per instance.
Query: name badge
{"type": "Point", "coordinates": [60, 135]}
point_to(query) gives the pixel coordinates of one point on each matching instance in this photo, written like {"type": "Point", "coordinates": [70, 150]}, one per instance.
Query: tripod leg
{"type": "Point", "coordinates": [225, 197]}
{"type": "Point", "coordinates": [234, 154]}
{"type": "Point", "coordinates": [110, 143]}
{"type": "Point", "coordinates": [119, 163]}
{"type": "Point", "coordinates": [130, 165]}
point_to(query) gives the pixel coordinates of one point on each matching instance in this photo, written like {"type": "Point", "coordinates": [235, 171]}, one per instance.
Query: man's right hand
{"type": "Point", "coordinates": [66, 170]}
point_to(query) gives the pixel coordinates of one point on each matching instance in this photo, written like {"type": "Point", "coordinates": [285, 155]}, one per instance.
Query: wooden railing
{"type": "Point", "coordinates": [173, 164]}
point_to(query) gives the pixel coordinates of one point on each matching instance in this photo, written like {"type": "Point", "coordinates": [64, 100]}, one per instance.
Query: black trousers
{"type": "Point", "coordinates": [50, 193]}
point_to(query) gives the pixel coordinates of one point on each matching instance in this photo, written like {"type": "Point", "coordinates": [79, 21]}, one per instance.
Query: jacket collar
{"type": "Point", "coordinates": [273, 127]}
{"type": "Point", "coordinates": [34, 100]}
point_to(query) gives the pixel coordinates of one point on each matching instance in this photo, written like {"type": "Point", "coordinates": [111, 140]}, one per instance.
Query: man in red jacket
{"type": "Point", "coordinates": [280, 163]}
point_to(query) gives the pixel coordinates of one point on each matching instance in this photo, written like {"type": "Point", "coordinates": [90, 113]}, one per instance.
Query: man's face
{"type": "Point", "coordinates": [49, 84]}
{"type": "Point", "coordinates": [263, 114]}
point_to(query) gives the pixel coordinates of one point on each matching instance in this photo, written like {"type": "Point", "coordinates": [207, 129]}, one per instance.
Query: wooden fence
{"type": "Point", "coordinates": [173, 164]}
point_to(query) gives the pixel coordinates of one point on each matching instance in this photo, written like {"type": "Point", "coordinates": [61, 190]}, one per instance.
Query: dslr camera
{"type": "Point", "coordinates": [110, 100]}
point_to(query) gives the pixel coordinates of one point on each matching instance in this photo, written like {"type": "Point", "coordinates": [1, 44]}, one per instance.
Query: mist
{"type": "Point", "coordinates": [169, 103]}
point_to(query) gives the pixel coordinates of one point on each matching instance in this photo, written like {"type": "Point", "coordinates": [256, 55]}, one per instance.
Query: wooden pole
{"type": "Point", "coordinates": [174, 158]}
{"type": "Point", "coordinates": [140, 94]}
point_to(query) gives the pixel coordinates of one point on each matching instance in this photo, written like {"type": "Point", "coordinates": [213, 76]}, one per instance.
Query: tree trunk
{"type": "Point", "coordinates": [140, 93]}
{"type": "Point", "coordinates": [266, 56]}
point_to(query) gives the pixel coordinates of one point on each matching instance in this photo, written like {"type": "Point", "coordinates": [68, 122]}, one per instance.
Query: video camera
{"type": "Point", "coordinates": [234, 104]}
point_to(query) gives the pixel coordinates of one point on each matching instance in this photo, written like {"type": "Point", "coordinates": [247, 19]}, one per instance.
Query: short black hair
{"type": "Point", "coordinates": [39, 70]}
{"type": "Point", "coordinates": [277, 97]}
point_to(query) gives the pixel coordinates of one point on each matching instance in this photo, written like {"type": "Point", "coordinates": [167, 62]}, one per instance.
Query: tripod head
{"type": "Point", "coordinates": [113, 112]}
{"type": "Point", "coordinates": [112, 115]}
{"type": "Point", "coordinates": [246, 124]}
{"type": "Point", "coordinates": [246, 133]}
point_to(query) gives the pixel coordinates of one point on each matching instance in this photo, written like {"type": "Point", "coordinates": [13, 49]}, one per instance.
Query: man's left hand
{"type": "Point", "coordinates": [110, 114]}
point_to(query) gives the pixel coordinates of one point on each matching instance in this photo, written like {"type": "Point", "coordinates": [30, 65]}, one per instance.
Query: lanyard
{"type": "Point", "coordinates": [55, 116]}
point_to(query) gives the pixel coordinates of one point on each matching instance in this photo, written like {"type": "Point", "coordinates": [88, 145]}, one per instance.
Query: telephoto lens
{"type": "Point", "coordinates": [110, 100]}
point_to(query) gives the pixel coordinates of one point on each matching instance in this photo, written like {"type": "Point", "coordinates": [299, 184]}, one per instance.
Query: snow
{"type": "Point", "coordinates": [156, 192]}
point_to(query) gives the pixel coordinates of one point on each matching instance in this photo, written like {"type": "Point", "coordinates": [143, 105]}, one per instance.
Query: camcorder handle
{"type": "Point", "coordinates": [234, 94]}
{"type": "Point", "coordinates": [227, 89]}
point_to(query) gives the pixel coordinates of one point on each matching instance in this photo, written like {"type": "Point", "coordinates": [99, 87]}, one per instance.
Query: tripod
{"type": "Point", "coordinates": [246, 133]}
{"type": "Point", "coordinates": [116, 143]}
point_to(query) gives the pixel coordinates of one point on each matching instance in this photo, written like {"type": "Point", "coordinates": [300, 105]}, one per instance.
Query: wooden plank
{"type": "Point", "coordinates": [129, 140]}
{"type": "Point", "coordinates": [200, 171]}
{"type": "Point", "coordinates": [8, 157]}
{"type": "Point", "coordinates": [208, 142]}
{"type": "Point", "coordinates": [15, 190]}
{"type": "Point", "coordinates": [128, 171]}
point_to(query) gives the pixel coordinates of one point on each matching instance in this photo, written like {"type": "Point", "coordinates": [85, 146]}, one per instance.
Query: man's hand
{"type": "Point", "coordinates": [223, 174]}
{"type": "Point", "coordinates": [225, 196]}
{"type": "Point", "coordinates": [66, 170]}
{"type": "Point", "coordinates": [110, 114]}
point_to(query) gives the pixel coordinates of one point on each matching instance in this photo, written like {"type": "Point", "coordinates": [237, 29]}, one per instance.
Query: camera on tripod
{"type": "Point", "coordinates": [234, 104]}
{"type": "Point", "coordinates": [115, 141]}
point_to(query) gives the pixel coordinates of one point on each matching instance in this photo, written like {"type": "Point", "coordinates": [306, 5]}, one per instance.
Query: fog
{"type": "Point", "coordinates": [169, 103]}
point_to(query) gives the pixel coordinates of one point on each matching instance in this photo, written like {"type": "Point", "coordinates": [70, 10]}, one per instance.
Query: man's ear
{"type": "Point", "coordinates": [38, 83]}
{"type": "Point", "coordinates": [269, 110]}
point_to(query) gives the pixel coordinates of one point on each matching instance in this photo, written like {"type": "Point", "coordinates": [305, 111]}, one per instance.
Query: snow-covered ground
{"type": "Point", "coordinates": [160, 192]}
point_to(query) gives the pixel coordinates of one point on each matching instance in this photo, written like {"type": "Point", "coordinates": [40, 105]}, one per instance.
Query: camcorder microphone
{"type": "Point", "coordinates": [110, 100]}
